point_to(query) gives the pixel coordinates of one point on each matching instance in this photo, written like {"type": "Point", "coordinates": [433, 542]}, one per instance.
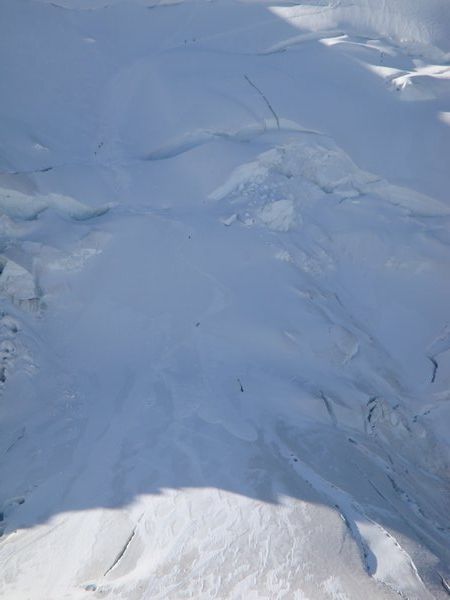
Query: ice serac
{"type": "Point", "coordinates": [224, 291]}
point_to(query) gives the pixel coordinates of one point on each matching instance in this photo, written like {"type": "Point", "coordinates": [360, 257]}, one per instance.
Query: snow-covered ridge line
{"type": "Point", "coordinates": [384, 558]}
{"type": "Point", "coordinates": [193, 139]}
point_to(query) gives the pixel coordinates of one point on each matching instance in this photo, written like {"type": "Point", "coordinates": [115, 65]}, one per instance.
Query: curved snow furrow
{"type": "Point", "coordinates": [395, 50]}
{"type": "Point", "coordinates": [199, 137]}
{"type": "Point", "coordinates": [300, 39]}
{"type": "Point", "coordinates": [384, 558]}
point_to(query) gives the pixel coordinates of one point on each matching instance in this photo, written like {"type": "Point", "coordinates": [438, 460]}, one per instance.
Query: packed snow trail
{"type": "Point", "coordinates": [224, 326]}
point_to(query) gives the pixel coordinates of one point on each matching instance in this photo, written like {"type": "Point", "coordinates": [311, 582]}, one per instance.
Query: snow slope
{"type": "Point", "coordinates": [224, 288]}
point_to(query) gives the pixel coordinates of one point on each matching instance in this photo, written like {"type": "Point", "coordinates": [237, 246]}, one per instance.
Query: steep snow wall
{"type": "Point", "coordinates": [423, 22]}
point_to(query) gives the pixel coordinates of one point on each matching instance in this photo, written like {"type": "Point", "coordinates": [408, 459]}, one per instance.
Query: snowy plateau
{"type": "Point", "coordinates": [224, 299]}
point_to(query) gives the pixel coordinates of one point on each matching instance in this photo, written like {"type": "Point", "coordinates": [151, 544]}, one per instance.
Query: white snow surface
{"type": "Point", "coordinates": [225, 291]}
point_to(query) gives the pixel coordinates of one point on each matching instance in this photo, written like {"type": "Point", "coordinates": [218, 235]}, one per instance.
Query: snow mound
{"type": "Point", "coordinates": [329, 169]}
{"type": "Point", "coordinates": [25, 207]}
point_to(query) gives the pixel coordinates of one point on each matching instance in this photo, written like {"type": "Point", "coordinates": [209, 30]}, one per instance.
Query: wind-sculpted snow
{"type": "Point", "coordinates": [24, 206]}
{"type": "Point", "coordinates": [245, 134]}
{"type": "Point", "coordinates": [420, 25]}
{"type": "Point", "coordinates": [235, 383]}
{"type": "Point", "coordinates": [17, 282]}
{"type": "Point", "coordinates": [320, 162]}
